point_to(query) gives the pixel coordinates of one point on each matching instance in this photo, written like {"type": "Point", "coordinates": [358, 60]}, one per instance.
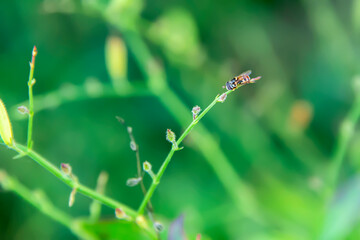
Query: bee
{"type": "Point", "coordinates": [240, 80]}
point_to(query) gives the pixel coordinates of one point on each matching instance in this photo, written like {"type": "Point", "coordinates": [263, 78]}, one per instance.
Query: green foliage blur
{"type": "Point", "coordinates": [281, 135]}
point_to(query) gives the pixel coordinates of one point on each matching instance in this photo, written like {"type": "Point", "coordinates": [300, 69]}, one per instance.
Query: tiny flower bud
{"type": "Point", "coordinates": [158, 227]}
{"type": "Point", "coordinates": [131, 182]}
{"type": "Point", "coordinates": [72, 197]}
{"type": "Point", "coordinates": [120, 214]}
{"type": "Point", "coordinates": [170, 136]}
{"type": "Point", "coordinates": [6, 132]}
{"type": "Point", "coordinates": [32, 82]}
{"type": "Point", "coordinates": [195, 111]}
{"type": "Point", "coordinates": [222, 98]}
{"type": "Point", "coordinates": [66, 168]}
{"type": "Point", "coordinates": [34, 51]}
{"type": "Point", "coordinates": [133, 146]}
{"type": "Point", "coordinates": [23, 110]}
{"type": "Point", "coordinates": [141, 221]}
{"type": "Point", "coordinates": [198, 236]}
{"type": "Point", "coordinates": [129, 129]}
{"type": "Point", "coordinates": [147, 166]}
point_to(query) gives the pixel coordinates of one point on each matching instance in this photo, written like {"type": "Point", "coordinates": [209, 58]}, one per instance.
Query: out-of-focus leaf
{"type": "Point", "coordinates": [176, 230]}
{"type": "Point", "coordinates": [343, 213]}
{"type": "Point", "coordinates": [117, 230]}
{"type": "Point", "coordinates": [116, 59]}
{"type": "Point", "coordinates": [176, 32]}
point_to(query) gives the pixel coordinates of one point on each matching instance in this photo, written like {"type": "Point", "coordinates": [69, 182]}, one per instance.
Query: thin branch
{"type": "Point", "coordinates": [174, 148]}
{"type": "Point", "coordinates": [31, 83]}
{"type": "Point", "coordinates": [71, 183]}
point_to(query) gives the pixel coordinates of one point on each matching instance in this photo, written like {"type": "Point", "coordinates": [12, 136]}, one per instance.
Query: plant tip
{"type": "Point", "coordinates": [34, 51]}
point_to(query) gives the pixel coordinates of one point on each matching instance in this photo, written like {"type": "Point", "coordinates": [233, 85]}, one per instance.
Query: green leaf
{"type": "Point", "coordinates": [117, 229]}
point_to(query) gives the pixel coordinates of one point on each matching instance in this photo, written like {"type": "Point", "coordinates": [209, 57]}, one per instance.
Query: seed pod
{"type": "Point", "coordinates": [120, 214]}
{"type": "Point", "coordinates": [147, 166]}
{"type": "Point", "coordinates": [131, 182]}
{"type": "Point", "coordinates": [66, 169]}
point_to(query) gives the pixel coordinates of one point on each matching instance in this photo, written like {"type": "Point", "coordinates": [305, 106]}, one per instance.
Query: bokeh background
{"type": "Point", "coordinates": [257, 168]}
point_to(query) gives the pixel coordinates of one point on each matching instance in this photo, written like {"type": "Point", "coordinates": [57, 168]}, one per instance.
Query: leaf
{"type": "Point", "coordinates": [115, 229]}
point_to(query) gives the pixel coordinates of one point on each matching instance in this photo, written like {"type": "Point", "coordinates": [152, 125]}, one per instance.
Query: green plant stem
{"type": "Point", "coordinates": [74, 93]}
{"type": "Point", "coordinates": [37, 199]}
{"type": "Point", "coordinates": [346, 132]}
{"type": "Point", "coordinates": [174, 148]}
{"type": "Point", "coordinates": [238, 191]}
{"type": "Point", "coordinates": [31, 101]}
{"type": "Point", "coordinates": [71, 183]}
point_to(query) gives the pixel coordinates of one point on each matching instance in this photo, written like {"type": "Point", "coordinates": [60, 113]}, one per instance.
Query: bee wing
{"type": "Point", "coordinates": [247, 73]}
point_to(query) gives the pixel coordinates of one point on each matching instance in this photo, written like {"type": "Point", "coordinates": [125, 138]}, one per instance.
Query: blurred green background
{"type": "Point", "coordinates": [281, 135]}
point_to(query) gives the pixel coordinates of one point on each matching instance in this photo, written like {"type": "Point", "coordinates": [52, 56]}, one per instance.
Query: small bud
{"type": "Point", "coordinates": [195, 111]}
{"type": "Point", "coordinates": [129, 129]}
{"type": "Point", "coordinates": [141, 221]}
{"type": "Point", "coordinates": [198, 236]}
{"type": "Point", "coordinates": [147, 166]}
{"type": "Point", "coordinates": [170, 136]}
{"type": "Point", "coordinates": [158, 227]}
{"type": "Point", "coordinates": [131, 182]}
{"type": "Point", "coordinates": [72, 197]}
{"type": "Point", "coordinates": [120, 214]}
{"type": "Point", "coordinates": [23, 110]}
{"type": "Point", "coordinates": [133, 146]}
{"type": "Point", "coordinates": [32, 82]}
{"type": "Point", "coordinates": [34, 51]}
{"type": "Point", "coordinates": [6, 132]}
{"type": "Point", "coordinates": [120, 119]}
{"type": "Point", "coordinates": [66, 169]}
{"type": "Point", "coordinates": [222, 98]}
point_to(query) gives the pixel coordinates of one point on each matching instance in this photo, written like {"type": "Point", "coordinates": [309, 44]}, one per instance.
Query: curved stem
{"type": "Point", "coordinates": [37, 199]}
{"type": "Point", "coordinates": [71, 183]}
